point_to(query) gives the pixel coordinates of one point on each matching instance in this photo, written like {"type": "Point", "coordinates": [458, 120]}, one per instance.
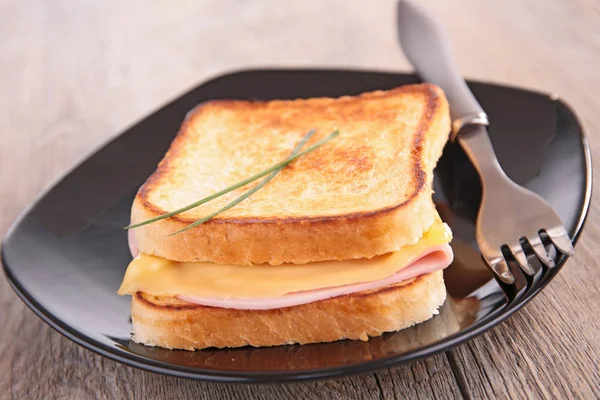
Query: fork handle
{"type": "Point", "coordinates": [476, 143]}
{"type": "Point", "coordinates": [426, 46]}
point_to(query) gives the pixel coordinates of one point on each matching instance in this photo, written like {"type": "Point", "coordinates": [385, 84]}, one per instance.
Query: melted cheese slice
{"type": "Point", "coordinates": [161, 277]}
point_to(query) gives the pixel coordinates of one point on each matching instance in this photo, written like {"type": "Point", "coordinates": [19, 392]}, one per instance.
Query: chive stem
{"type": "Point", "coordinates": [273, 170]}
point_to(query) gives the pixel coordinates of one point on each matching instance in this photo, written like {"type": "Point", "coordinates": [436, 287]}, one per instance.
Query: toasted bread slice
{"type": "Point", "coordinates": [367, 192]}
{"type": "Point", "coordinates": [175, 324]}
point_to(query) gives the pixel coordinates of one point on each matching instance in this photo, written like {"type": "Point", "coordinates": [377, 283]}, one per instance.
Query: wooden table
{"type": "Point", "coordinates": [73, 74]}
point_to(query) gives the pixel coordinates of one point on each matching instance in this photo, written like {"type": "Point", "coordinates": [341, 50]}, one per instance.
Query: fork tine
{"type": "Point", "coordinates": [540, 251]}
{"type": "Point", "coordinates": [498, 264]}
{"type": "Point", "coordinates": [519, 254]}
{"type": "Point", "coordinates": [560, 238]}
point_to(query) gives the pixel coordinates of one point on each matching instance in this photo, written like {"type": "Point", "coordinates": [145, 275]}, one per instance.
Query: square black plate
{"type": "Point", "coordinates": [66, 255]}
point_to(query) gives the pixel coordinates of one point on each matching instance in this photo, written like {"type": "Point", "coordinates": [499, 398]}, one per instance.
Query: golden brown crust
{"type": "Point", "coordinates": [175, 324]}
{"type": "Point", "coordinates": [418, 175]}
{"type": "Point", "coordinates": [249, 236]}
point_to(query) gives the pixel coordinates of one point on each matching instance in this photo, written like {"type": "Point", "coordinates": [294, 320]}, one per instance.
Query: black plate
{"type": "Point", "coordinates": [66, 256]}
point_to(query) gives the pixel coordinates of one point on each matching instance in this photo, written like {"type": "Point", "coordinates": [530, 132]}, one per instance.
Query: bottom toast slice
{"type": "Point", "coordinates": [176, 324]}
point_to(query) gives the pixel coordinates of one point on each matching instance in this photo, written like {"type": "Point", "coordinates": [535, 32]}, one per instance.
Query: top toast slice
{"type": "Point", "coordinates": [364, 193]}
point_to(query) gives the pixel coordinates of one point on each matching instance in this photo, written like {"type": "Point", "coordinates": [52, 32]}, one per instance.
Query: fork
{"type": "Point", "coordinates": [513, 222]}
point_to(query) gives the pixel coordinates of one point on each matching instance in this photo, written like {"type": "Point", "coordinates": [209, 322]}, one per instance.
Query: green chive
{"type": "Point", "coordinates": [249, 192]}
{"type": "Point", "coordinates": [273, 169]}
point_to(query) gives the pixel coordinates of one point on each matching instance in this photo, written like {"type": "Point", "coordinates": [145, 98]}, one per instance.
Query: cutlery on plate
{"type": "Point", "coordinates": [513, 222]}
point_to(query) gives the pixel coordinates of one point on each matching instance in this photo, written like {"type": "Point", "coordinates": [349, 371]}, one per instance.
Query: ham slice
{"type": "Point", "coordinates": [133, 247]}
{"type": "Point", "coordinates": [434, 259]}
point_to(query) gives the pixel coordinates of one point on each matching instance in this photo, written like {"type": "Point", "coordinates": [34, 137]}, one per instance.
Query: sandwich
{"type": "Point", "coordinates": [342, 242]}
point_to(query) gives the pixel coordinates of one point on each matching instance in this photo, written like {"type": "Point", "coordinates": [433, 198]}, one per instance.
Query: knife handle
{"type": "Point", "coordinates": [426, 46]}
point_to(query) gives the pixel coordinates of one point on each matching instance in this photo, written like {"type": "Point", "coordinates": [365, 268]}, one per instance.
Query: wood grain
{"type": "Point", "coordinates": [72, 74]}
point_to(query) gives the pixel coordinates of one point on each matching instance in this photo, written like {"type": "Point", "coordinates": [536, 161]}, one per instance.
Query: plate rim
{"type": "Point", "coordinates": [232, 376]}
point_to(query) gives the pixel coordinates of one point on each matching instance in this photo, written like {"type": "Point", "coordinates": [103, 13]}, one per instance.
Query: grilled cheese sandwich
{"type": "Point", "coordinates": [348, 230]}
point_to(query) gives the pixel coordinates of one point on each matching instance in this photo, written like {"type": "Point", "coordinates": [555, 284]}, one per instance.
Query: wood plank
{"type": "Point", "coordinates": [431, 379]}
{"type": "Point", "coordinates": [73, 74]}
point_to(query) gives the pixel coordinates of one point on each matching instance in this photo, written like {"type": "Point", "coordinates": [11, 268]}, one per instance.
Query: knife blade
{"type": "Point", "coordinates": [426, 46]}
